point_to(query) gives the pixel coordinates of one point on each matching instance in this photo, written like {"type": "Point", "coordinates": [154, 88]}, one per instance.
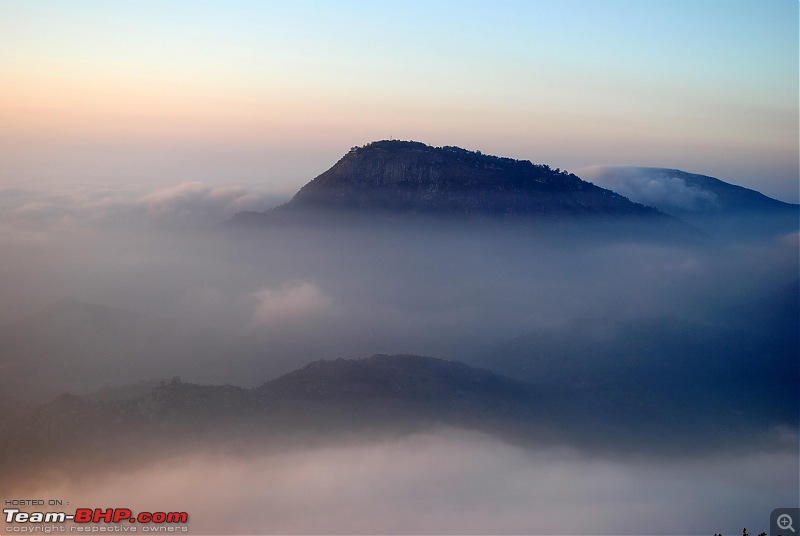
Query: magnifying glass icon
{"type": "Point", "coordinates": [785, 522]}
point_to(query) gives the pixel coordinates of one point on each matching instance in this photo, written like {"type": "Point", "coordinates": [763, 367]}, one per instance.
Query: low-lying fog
{"type": "Point", "coordinates": [107, 288]}
{"type": "Point", "coordinates": [300, 295]}
{"type": "Point", "coordinates": [450, 482]}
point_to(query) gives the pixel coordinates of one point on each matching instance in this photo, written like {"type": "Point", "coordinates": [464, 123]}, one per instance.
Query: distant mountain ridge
{"type": "Point", "coordinates": [407, 177]}
{"type": "Point", "coordinates": [396, 376]}
{"type": "Point", "coordinates": [382, 394]}
{"type": "Point", "coordinates": [349, 398]}
{"type": "Point", "coordinates": [681, 193]}
{"type": "Point", "coordinates": [722, 209]}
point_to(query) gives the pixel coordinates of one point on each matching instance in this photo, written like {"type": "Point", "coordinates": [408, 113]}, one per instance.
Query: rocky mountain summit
{"type": "Point", "coordinates": [411, 177]}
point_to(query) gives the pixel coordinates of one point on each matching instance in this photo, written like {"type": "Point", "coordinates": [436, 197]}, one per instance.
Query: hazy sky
{"type": "Point", "coordinates": [269, 94]}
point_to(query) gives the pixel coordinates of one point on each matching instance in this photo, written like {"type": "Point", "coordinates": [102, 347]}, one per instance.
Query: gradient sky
{"type": "Point", "coordinates": [269, 94]}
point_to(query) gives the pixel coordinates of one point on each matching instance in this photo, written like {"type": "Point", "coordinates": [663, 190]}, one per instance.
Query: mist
{"type": "Point", "coordinates": [649, 188]}
{"type": "Point", "coordinates": [277, 297]}
{"type": "Point", "coordinates": [446, 482]}
{"type": "Point", "coordinates": [104, 289]}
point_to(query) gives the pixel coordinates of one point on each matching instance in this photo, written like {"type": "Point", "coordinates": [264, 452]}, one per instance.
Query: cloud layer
{"type": "Point", "coordinates": [655, 188]}
{"type": "Point", "coordinates": [451, 482]}
{"type": "Point", "coordinates": [242, 309]}
{"type": "Point", "coordinates": [189, 204]}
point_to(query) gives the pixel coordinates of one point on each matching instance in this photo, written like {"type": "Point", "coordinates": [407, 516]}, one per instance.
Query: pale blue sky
{"type": "Point", "coordinates": [269, 94]}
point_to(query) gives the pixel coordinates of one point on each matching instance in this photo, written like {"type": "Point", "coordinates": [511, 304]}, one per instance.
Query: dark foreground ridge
{"type": "Point", "coordinates": [342, 400]}
{"type": "Point", "coordinates": [321, 402]}
{"type": "Point", "coordinates": [406, 177]}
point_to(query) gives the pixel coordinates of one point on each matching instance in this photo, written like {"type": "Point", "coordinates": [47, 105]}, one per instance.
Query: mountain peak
{"type": "Point", "coordinates": [408, 377]}
{"type": "Point", "coordinates": [412, 177]}
{"type": "Point", "coordinates": [392, 145]}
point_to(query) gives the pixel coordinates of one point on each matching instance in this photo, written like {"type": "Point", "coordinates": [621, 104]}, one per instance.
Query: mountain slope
{"type": "Point", "coordinates": [709, 203]}
{"type": "Point", "coordinates": [678, 192]}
